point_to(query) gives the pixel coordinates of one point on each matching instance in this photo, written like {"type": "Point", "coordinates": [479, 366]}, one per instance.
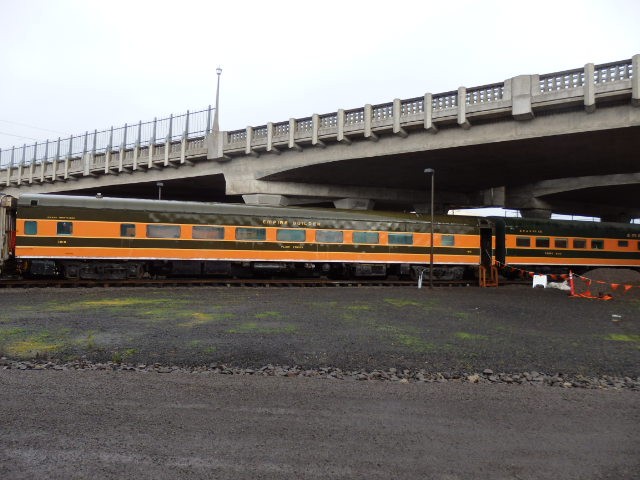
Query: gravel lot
{"type": "Point", "coordinates": [211, 383]}
{"type": "Point", "coordinates": [449, 330]}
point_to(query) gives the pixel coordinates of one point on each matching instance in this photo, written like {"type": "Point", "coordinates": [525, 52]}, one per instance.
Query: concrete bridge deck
{"type": "Point", "coordinates": [565, 142]}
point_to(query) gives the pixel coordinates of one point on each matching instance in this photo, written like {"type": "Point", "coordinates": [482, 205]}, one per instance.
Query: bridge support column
{"type": "Point", "coordinates": [354, 204]}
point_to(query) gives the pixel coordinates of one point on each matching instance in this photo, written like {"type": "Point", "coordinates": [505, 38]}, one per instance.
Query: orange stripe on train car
{"type": "Point", "coordinates": [240, 255]}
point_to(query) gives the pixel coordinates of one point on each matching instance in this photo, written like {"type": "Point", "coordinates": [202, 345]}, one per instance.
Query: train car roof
{"type": "Point", "coordinates": [576, 227]}
{"type": "Point", "coordinates": [132, 204]}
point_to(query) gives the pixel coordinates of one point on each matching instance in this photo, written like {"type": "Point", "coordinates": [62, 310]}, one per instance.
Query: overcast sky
{"type": "Point", "coordinates": [67, 66]}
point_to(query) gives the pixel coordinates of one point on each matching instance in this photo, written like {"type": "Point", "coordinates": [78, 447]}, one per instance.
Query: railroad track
{"type": "Point", "coordinates": [228, 282]}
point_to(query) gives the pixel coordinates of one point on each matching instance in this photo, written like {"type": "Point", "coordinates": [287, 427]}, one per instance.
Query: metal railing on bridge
{"type": "Point", "coordinates": [174, 128]}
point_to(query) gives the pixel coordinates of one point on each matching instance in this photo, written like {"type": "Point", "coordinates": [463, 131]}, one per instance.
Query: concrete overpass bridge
{"type": "Point", "coordinates": [564, 142]}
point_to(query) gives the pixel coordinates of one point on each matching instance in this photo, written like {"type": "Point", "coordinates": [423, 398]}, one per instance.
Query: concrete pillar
{"type": "Point", "coordinates": [341, 136]}
{"type": "Point", "coordinates": [397, 129]}
{"type": "Point", "coordinates": [462, 108]}
{"type": "Point", "coordinates": [521, 97]}
{"type": "Point", "coordinates": [270, 147]}
{"type": "Point", "coordinates": [247, 148]}
{"type": "Point", "coordinates": [635, 81]}
{"type": "Point", "coordinates": [368, 115]}
{"type": "Point", "coordinates": [589, 88]}
{"type": "Point", "coordinates": [354, 204]}
{"type": "Point", "coordinates": [427, 107]}
{"type": "Point", "coordinates": [315, 128]}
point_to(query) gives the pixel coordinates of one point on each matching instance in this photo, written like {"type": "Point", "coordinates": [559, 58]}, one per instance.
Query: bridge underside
{"type": "Point", "coordinates": [570, 174]}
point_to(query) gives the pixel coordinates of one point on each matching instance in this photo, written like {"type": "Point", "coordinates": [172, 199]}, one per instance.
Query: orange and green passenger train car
{"type": "Point", "coordinates": [549, 246]}
{"type": "Point", "coordinates": [88, 237]}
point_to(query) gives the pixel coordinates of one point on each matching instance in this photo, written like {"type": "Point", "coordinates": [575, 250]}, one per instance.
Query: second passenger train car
{"type": "Point", "coordinates": [555, 246]}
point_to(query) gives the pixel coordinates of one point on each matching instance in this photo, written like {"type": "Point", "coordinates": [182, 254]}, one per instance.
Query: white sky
{"type": "Point", "coordinates": [67, 66]}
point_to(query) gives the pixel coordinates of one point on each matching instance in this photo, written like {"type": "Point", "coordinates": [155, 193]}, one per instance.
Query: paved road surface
{"type": "Point", "coordinates": [88, 424]}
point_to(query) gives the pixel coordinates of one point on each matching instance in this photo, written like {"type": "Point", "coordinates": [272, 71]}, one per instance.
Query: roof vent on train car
{"type": "Point", "coordinates": [98, 195]}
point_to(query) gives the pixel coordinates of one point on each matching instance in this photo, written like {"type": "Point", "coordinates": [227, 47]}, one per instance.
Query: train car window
{"type": "Point", "coordinates": [597, 244]}
{"type": "Point", "coordinates": [127, 230]}
{"type": "Point", "coordinates": [251, 233]}
{"type": "Point", "coordinates": [579, 243]}
{"type": "Point", "coordinates": [523, 242]}
{"type": "Point", "coordinates": [329, 236]}
{"type": "Point", "coordinates": [288, 235]}
{"type": "Point", "coordinates": [542, 242]}
{"type": "Point", "coordinates": [30, 227]}
{"type": "Point", "coordinates": [204, 232]}
{"type": "Point", "coordinates": [163, 231]}
{"type": "Point", "coordinates": [623, 243]}
{"type": "Point", "coordinates": [561, 243]}
{"type": "Point", "coordinates": [448, 240]}
{"type": "Point", "coordinates": [401, 239]}
{"type": "Point", "coordinates": [366, 237]}
{"type": "Point", "coordinates": [64, 228]}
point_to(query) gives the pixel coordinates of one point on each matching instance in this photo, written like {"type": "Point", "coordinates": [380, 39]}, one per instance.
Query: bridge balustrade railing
{"type": "Point", "coordinates": [156, 141]}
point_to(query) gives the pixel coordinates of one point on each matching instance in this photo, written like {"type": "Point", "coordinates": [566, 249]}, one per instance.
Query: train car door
{"type": "Point", "coordinates": [486, 247]}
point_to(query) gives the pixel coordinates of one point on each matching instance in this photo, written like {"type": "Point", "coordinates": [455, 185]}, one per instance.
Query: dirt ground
{"type": "Point", "coordinates": [115, 424]}
{"type": "Point", "coordinates": [457, 330]}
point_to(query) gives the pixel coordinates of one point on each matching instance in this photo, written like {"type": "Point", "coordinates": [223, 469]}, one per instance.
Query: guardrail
{"type": "Point", "coordinates": [140, 135]}
{"type": "Point", "coordinates": [433, 110]}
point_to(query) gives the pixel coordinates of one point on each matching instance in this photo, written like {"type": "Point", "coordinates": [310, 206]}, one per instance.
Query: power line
{"type": "Point", "coordinates": [18, 136]}
{"type": "Point", "coordinates": [31, 126]}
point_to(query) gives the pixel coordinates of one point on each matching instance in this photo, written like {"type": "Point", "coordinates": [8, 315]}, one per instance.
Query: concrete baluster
{"type": "Point", "coordinates": [152, 143]}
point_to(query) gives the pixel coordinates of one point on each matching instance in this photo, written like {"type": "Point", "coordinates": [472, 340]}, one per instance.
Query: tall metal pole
{"type": "Point", "coordinates": [216, 124]}
{"type": "Point", "coordinates": [432, 173]}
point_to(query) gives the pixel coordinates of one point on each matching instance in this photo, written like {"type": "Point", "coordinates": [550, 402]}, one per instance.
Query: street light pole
{"type": "Point", "coordinates": [216, 124]}
{"type": "Point", "coordinates": [159, 185]}
{"type": "Point", "coordinates": [432, 173]}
